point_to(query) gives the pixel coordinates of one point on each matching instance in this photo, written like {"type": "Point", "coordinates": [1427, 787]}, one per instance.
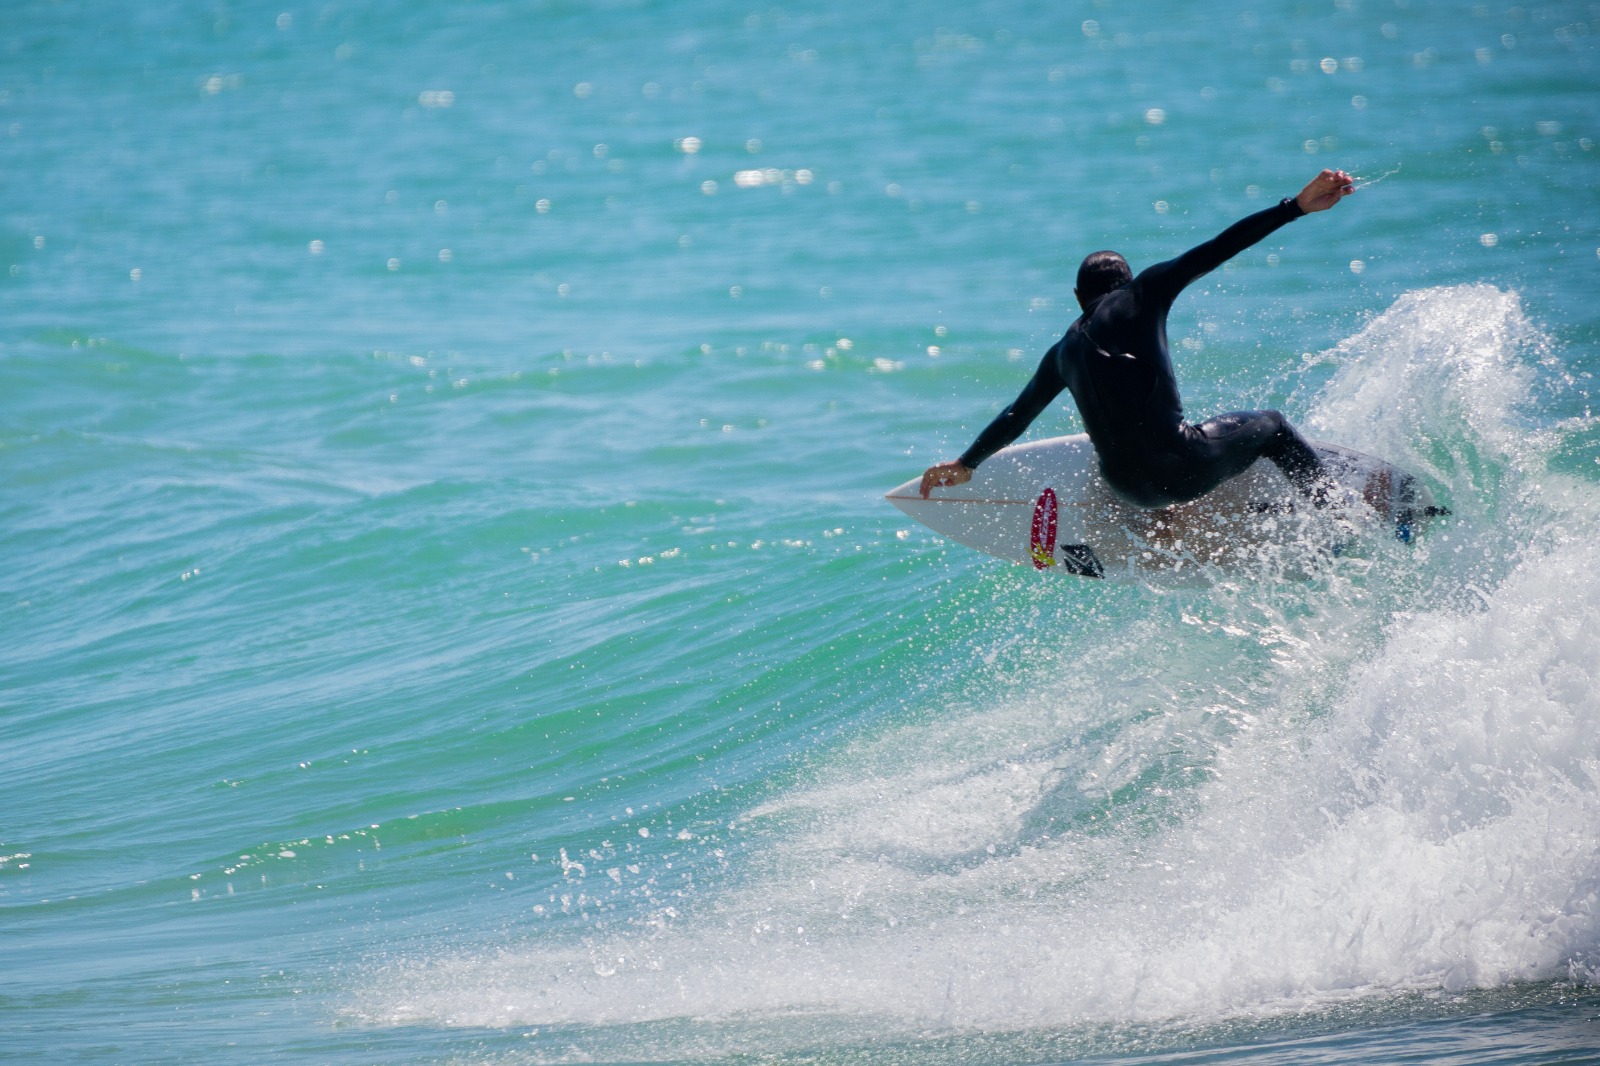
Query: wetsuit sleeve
{"type": "Point", "coordinates": [1170, 278]}
{"type": "Point", "coordinates": [1035, 396]}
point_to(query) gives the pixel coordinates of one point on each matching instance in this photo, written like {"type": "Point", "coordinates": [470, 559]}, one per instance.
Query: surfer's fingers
{"type": "Point", "coordinates": [942, 475]}
{"type": "Point", "coordinates": [1333, 180]}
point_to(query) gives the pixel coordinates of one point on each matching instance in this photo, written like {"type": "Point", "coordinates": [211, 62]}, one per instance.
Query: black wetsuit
{"type": "Point", "coordinates": [1115, 360]}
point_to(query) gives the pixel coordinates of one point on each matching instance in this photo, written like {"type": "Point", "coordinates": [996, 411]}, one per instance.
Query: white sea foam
{"type": "Point", "coordinates": [1449, 365]}
{"type": "Point", "coordinates": [1248, 801]}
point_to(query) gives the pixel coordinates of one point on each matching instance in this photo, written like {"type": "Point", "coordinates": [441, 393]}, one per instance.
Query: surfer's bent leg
{"type": "Point", "coordinates": [1231, 442]}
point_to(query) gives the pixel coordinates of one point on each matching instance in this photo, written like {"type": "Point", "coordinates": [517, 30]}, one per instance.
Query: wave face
{"type": "Point", "coordinates": [1181, 808]}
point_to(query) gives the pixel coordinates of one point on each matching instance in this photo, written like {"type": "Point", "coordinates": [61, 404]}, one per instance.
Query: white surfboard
{"type": "Point", "coordinates": [1045, 504]}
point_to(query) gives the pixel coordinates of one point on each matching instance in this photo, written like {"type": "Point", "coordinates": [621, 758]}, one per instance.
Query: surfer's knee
{"type": "Point", "coordinates": [1284, 435]}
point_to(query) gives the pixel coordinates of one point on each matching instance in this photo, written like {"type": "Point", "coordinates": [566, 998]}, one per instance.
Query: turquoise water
{"type": "Point", "coordinates": [450, 614]}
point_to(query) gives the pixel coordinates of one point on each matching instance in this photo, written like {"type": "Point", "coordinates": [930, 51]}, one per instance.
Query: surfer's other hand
{"type": "Point", "coordinates": [955, 472]}
{"type": "Point", "coordinates": [1325, 190]}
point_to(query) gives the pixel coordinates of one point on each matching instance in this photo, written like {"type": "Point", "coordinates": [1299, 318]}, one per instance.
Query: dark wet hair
{"type": "Point", "coordinates": [1100, 272]}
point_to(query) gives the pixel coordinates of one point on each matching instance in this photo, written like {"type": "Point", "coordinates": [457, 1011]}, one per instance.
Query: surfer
{"type": "Point", "coordinates": [1114, 360]}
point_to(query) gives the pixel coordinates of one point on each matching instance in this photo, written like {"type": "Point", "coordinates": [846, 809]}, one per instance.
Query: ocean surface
{"type": "Point", "coordinates": [448, 612]}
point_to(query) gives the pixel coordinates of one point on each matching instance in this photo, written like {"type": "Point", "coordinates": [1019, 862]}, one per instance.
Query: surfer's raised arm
{"type": "Point", "coordinates": [1165, 280]}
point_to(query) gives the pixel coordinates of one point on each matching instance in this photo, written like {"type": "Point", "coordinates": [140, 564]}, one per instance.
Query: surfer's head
{"type": "Point", "coordinates": [1098, 274]}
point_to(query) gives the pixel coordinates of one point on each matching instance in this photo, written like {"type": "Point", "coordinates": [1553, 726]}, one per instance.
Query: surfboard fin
{"type": "Point", "coordinates": [1080, 559]}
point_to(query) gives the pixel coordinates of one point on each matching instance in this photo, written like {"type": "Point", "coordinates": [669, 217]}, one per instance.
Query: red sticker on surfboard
{"type": "Point", "coordinates": [1042, 542]}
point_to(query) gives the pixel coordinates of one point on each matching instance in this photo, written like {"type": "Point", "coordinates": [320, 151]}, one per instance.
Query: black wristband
{"type": "Point", "coordinates": [1299, 212]}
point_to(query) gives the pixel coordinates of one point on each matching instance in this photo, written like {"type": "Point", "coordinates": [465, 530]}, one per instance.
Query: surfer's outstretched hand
{"type": "Point", "coordinates": [955, 472]}
{"type": "Point", "coordinates": [1325, 190]}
